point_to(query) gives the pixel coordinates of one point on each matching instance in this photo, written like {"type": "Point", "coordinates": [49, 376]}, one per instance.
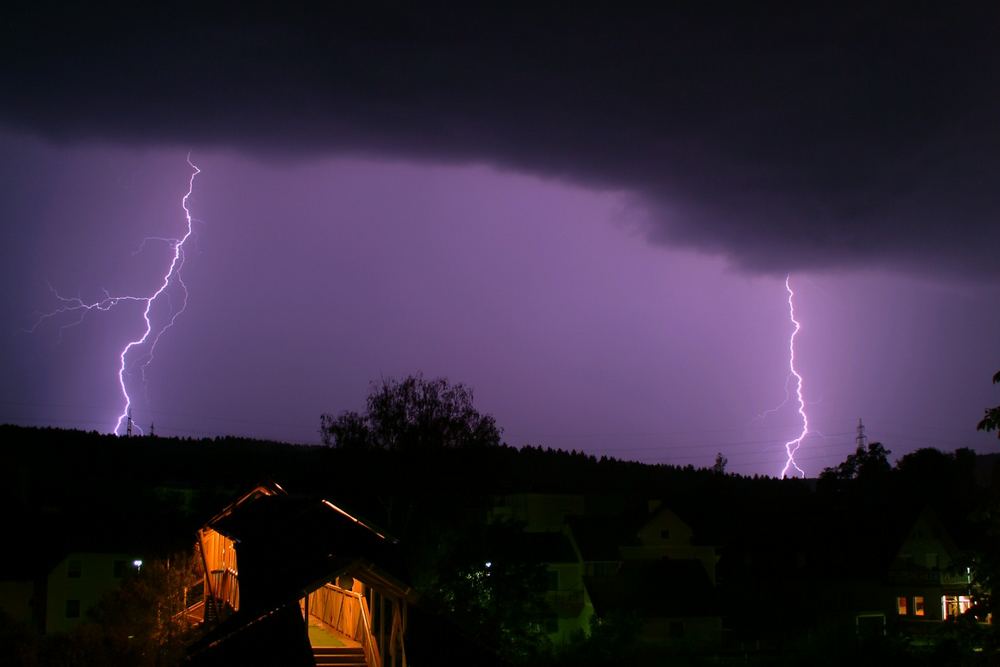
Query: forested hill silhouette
{"type": "Point", "coordinates": [48, 468]}
{"type": "Point", "coordinates": [46, 464]}
{"type": "Point", "coordinates": [72, 491]}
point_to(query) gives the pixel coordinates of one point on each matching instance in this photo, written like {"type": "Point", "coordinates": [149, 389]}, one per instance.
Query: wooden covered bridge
{"type": "Point", "coordinates": [298, 581]}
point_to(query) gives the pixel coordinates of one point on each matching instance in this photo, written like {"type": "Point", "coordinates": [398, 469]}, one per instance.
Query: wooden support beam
{"type": "Point", "coordinates": [381, 623]}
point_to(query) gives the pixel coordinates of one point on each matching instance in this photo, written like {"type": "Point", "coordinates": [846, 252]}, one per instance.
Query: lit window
{"type": "Point", "coordinates": [901, 605]}
{"type": "Point", "coordinates": [964, 603]}
{"type": "Point", "coordinates": [953, 606]}
{"type": "Point", "coordinates": [74, 569]}
{"type": "Point", "coordinates": [918, 605]}
{"type": "Point", "coordinates": [72, 609]}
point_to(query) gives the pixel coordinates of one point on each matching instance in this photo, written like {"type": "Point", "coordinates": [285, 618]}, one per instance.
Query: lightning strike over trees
{"type": "Point", "coordinates": [792, 446]}
{"type": "Point", "coordinates": [145, 344]}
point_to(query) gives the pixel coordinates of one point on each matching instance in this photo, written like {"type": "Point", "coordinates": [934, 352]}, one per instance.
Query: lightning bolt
{"type": "Point", "coordinates": [792, 446]}
{"type": "Point", "coordinates": [150, 336]}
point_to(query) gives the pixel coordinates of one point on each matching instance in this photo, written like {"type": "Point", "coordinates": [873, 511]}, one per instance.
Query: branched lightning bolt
{"type": "Point", "coordinates": [150, 337]}
{"type": "Point", "coordinates": [792, 446]}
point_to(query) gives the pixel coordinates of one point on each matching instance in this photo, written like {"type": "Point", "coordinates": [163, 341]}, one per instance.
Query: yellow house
{"type": "Point", "coordinates": [78, 582]}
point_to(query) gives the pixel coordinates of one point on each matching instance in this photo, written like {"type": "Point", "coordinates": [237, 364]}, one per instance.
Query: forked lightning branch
{"type": "Point", "coordinates": [137, 354]}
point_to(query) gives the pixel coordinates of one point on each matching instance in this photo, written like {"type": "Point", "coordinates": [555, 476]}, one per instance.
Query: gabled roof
{"type": "Point", "coordinates": [930, 518]}
{"type": "Point", "coordinates": [259, 491]}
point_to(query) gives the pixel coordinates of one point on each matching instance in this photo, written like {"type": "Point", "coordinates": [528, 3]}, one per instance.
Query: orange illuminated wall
{"type": "Point", "coordinates": [221, 571]}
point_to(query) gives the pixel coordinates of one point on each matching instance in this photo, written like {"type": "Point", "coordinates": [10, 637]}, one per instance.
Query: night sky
{"type": "Point", "coordinates": [586, 216]}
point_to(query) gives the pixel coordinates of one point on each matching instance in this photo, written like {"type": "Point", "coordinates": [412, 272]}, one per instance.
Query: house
{"type": "Point", "coordinates": [928, 578]}
{"type": "Point", "coordinates": [546, 539]}
{"type": "Point", "coordinates": [664, 535]}
{"type": "Point", "coordinates": [53, 590]}
{"type": "Point", "coordinates": [610, 555]}
{"type": "Point", "coordinates": [77, 583]}
{"type": "Point", "coordinates": [896, 570]}
{"type": "Point", "coordinates": [847, 571]}
{"type": "Point", "coordinates": [647, 563]}
{"type": "Point", "coordinates": [567, 601]}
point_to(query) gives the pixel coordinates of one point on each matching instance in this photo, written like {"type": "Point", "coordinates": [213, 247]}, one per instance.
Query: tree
{"type": "Point", "coordinates": [482, 577]}
{"type": "Point", "coordinates": [991, 422]}
{"type": "Point", "coordinates": [413, 414]}
{"type": "Point", "coordinates": [863, 464]}
{"type": "Point", "coordinates": [719, 468]}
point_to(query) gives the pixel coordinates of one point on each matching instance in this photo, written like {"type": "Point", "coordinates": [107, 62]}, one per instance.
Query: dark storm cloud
{"type": "Point", "coordinates": [784, 139]}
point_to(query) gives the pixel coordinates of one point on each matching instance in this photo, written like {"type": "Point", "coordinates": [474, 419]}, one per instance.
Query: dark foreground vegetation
{"type": "Point", "coordinates": [802, 565]}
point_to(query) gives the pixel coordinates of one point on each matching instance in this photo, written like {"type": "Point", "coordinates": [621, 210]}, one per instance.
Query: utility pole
{"type": "Point", "coordinates": [861, 438]}
{"type": "Point", "coordinates": [152, 429]}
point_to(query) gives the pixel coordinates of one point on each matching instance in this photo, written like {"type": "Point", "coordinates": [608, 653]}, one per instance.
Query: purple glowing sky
{"type": "Point", "coordinates": [585, 214]}
{"type": "Point", "coordinates": [310, 279]}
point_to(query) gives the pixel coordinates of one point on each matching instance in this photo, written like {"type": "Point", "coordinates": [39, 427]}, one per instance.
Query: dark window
{"type": "Point", "coordinates": [72, 609]}
{"type": "Point", "coordinates": [74, 569]}
{"type": "Point", "coordinates": [551, 624]}
{"type": "Point", "coordinates": [119, 568]}
{"type": "Point", "coordinates": [665, 533]}
{"type": "Point", "coordinates": [676, 629]}
{"type": "Point", "coordinates": [552, 580]}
